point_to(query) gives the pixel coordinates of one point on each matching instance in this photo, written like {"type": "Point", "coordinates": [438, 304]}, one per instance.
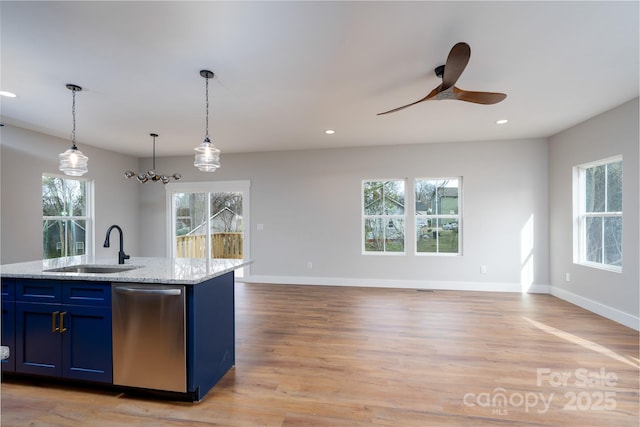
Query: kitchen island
{"type": "Point", "coordinates": [153, 324]}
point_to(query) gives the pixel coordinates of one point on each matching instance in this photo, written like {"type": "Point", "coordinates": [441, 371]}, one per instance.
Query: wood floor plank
{"type": "Point", "coordinates": [342, 356]}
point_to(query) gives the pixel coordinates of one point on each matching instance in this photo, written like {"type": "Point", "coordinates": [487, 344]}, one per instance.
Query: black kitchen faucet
{"type": "Point", "coordinates": [121, 255]}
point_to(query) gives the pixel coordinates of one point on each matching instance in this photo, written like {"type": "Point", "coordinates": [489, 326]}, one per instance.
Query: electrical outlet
{"type": "Point", "coordinates": [483, 269]}
{"type": "Point", "coordinates": [567, 277]}
{"type": "Point", "coordinates": [260, 227]}
{"type": "Point", "coordinates": [309, 264]}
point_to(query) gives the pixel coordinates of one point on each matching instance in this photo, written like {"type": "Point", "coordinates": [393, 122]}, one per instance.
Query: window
{"type": "Point", "coordinates": [599, 214]}
{"type": "Point", "coordinates": [437, 210]}
{"type": "Point", "coordinates": [209, 219]}
{"type": "Point", "coordinates": [383, 210]}
{"type": "Point", "coordinates": [66, 216]}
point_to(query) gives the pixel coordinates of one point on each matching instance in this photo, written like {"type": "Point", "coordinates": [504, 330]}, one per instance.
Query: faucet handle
{"type": "Point", "coordinates": [122, 256]}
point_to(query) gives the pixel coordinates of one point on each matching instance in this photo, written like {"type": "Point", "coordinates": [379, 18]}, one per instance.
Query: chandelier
{"type": "Point", "coordinates": [152, 175]}
{"type": "Point", "coordinates": [72, 161]}
{"type": "Point", "coordinates": [207, 155]}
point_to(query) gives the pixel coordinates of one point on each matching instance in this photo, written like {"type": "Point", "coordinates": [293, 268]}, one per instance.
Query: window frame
{"type": "Point", "coordinates": [581, 215]}
{"type": "Point", "coordinates": [437, 217]}
{"type": "Point", "coordinates": [88, 217]}
{"type": "Point", "coordinates": [385, 217]}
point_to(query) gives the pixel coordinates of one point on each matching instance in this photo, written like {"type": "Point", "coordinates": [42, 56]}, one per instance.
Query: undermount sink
{"type": "Point", "coordinates": [92, 268]}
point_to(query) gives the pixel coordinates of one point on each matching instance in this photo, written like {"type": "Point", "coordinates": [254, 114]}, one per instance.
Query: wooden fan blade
{"type": "Point", "coordinates": [426, 98]}
{"type": "Point", "coordinates": [456, 63]}
{"type": "Point", "coordinates": [478, 97]}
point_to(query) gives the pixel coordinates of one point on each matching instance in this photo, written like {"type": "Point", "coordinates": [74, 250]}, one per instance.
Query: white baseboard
{"type": "Point", "coordinates": [392, 283]}
{"type": "Point", "coordinates": [610, 313]}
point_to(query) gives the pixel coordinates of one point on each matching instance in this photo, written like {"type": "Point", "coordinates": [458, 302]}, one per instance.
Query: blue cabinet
{"type": "Point", "coordinates": [211, 333]}
{"type": "Point", "coordinates": [63, 329]}
{"type": "Point", "coordinates": [9, 323]}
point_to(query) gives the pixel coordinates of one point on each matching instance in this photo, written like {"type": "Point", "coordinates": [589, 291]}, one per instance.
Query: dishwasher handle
{"type": "Point", "coordinates": [148, 291]}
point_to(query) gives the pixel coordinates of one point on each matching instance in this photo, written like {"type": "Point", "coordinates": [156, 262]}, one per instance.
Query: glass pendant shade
{"type": "Point", "coordinates": [207, 156]}
{"type": "Point", "coordinates": [73, 162]}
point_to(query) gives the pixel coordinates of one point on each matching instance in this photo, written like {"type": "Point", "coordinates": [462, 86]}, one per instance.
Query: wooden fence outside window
{"type": "Point", "coordinates": [223, 245]}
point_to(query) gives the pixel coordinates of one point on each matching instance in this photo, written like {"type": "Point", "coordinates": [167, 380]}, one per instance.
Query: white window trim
{"type": "Point", "coordinates": [579, 227]}
{"type": "Point", "coordinates": [458, 216]}
{"type": "Point", "coordinates": [89, 217]}
{"type": "Point", "coordinates": [404, 216]}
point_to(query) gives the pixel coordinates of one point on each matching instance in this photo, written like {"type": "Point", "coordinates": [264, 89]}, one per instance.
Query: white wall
{"type": "Point", "coordinates": [615, 295]}
{"type": "Point", "coordinates": [25, 156]}
{"type": "Point", "coordinates": [309, 205]}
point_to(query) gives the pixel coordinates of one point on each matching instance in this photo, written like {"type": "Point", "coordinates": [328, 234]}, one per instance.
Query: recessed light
{"type": "Point", "coordinates": [502, 121]}
{"type": "Point", "coordinates": [329, 131]}
{"type": "Point", "coordinates": [7, 94]}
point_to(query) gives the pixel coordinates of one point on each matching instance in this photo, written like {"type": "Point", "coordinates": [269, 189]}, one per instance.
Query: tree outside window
{"type": "Point", "coordinates": [437, 210]}
{"type": "Point", "coordinates": [384, 216]}
{"type": "Point", "coordinates": [208, 224]}
{"type": "Point", "coordinates": [600, 214]}
{"type": "Point", "coordinates": [66, 217]}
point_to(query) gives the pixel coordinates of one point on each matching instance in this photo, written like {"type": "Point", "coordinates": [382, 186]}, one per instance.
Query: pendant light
{"type": "Point", "coordinates": [72, 161]}
{"type": "Point", "coordinates": [152, 175]}
{"type": "Point", "coordinates": [207, 155]}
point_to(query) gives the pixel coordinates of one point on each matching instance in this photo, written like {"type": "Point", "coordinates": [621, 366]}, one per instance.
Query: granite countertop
{"type": "Point", "coordinates": [183, 271]}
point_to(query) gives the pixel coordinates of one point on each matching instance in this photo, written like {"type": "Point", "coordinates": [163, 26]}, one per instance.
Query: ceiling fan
{"type": "Point", "coordinates": [450, 73]}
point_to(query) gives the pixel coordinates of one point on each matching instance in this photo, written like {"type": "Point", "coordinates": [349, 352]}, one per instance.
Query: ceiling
{"type": "Point", "coordinates": [287, 71]}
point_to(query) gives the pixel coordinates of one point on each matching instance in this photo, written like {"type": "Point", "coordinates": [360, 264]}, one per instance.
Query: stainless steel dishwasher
{"type": "Point", "coordinates": [149, 337]}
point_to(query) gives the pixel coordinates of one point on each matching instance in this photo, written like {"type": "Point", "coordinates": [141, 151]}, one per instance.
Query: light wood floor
{"type": "Point", "coordinates": [339, 356]}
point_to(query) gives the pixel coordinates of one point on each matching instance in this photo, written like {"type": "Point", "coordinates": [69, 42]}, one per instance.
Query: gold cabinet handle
{"type": "Point", "coordinates": [54, 328]}
{"type": "Point", "coordinates": [62, 328]}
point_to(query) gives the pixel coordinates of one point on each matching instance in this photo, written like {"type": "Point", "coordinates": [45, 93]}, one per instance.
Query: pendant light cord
{"type": "Point", "coordinates": [206, 133]}
{"type": "Point", "coordinates": [73, 114]}
{"type": "Point", "coordinates": [154, 151]}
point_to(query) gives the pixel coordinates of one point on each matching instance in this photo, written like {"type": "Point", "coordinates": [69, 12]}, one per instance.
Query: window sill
{"type": "Point", "coordinates": [611, 268]}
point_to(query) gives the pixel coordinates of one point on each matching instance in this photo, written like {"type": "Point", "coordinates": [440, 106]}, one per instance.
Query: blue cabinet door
{"type": "Point", "coordinates": [86, 343]}
{"type": "Point", "coordinates": [63, 329]}
{"type": "Point", "coordinates": [38, 345]}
